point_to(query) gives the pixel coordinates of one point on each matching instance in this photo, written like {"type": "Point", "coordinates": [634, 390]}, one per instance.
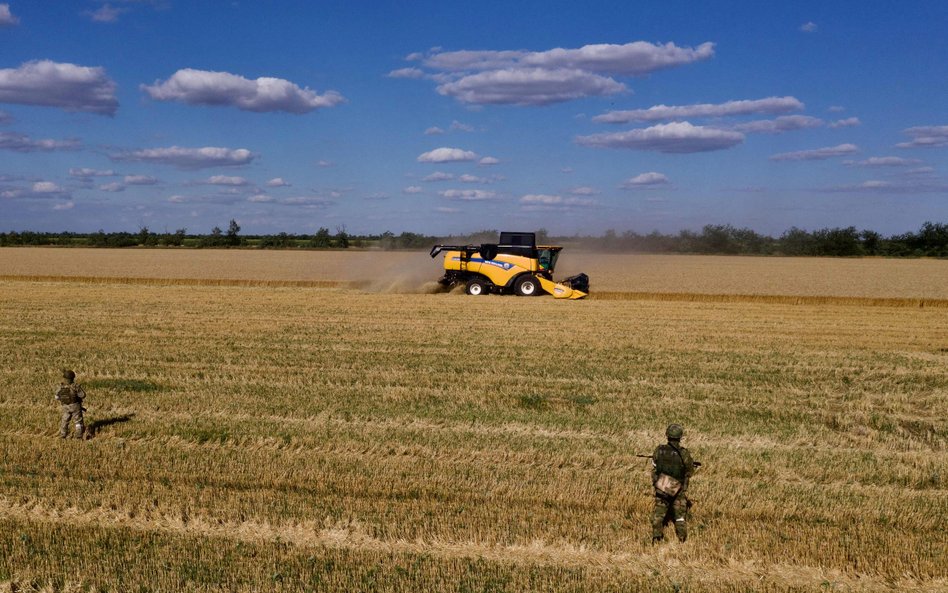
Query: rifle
{"type": "Point", "coordinates": [697, 464]}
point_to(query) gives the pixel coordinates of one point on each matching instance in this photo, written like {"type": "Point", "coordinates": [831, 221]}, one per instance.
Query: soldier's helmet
{"type": "Point", "coordinates": [674, 432]}
{"type": "Point", "coordinates": [69, 375]}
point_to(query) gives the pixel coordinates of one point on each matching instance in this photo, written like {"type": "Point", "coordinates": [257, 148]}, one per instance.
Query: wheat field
{"type": "Point", "coordinates": [352, 432]}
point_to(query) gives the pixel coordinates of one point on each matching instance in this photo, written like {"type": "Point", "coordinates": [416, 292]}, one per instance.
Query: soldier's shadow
{"type": "Point", "coordinates": [97, 425]}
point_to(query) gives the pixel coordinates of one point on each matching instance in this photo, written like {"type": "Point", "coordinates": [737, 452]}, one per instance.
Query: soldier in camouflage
{"type": "Point", "coordinates": [672, 468]}
{"type": "Point", "coordinates": [70, 395]}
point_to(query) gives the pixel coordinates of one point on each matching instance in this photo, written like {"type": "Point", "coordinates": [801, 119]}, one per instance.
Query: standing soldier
{"type": "Point", "coordinates": [70, 395]}
{"type": "Point", "coordinates": [672, 467]}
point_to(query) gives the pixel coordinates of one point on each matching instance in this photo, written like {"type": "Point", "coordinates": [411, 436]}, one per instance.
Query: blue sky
{"type": "Point", "coordinates": [439, 118]}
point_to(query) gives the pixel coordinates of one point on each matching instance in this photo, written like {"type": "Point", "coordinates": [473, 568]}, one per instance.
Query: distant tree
{"type": "Point", "coordinates": [232, 239]}
{"type": "Point", "coordinates": [322, 239]}
{"type": "Point", "coordinates": [342, 237]}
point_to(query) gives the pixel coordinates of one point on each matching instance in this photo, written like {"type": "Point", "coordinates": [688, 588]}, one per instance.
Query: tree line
{"type": "Point", "coordinates": [931, 240]}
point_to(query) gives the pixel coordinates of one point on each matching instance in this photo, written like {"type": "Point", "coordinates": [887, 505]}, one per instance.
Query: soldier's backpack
{"type": "Point", "coordinates": [68, 394]}
{"type": "Point", "coordinates": [670, 467]}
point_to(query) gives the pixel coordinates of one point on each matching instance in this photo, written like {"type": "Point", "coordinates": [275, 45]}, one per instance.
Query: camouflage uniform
{"type": "Point", "coordinates": [675, 461]}
{"type": "Point", "coordinates": [70, 395]}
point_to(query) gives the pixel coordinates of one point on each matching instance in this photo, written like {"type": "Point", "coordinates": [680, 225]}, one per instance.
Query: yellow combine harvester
{"type": "Point", "coordinates": [515, 264]}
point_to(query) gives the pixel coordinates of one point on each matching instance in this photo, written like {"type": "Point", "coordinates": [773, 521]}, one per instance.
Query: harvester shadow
{"type": "Point", "coordinates": [97, 425]}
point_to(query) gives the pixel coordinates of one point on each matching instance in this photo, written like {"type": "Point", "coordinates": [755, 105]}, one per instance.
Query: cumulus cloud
{"type": "Point", "coordinates": [37, 190]}
{"type": "Point", "coordinates": [438, 176]}
{"type": "Point", "coordinates": [67, 86]}
{"type": "Point", "coordinates": [446, 155]}
{"type": "Point", "coordinates": [140, 180]}
{"type": "Point", "coordinates": [227, 180]}
{"type": "Point", "coordinates": [467, 194]}
{"type": "Point", "coordinates": [925, 137]}
{"type": "Point", "coordinates": [460, 126]}
{"type": "Point", "coordinates": [277, 182]}
{"type": "Point", "coordinates": [488, 161]}
{"type": "Point", "coordinates": [849, 122]}
{"type": "Point", "coordinates": [86, 173]}
{"type": "Point", "coordinates": [675, 137]}
{"type": "Point", "coordinates": [809, 27]}
{"type": "Point", "coordinates": [817, 154]}
{"type": "Point", "coordinates": [406, 73]}
{"type": "Point", "coordinates": [325, 164]}
{"type": "Point", "coordinates": [412, 189]}
{"type": "Point", "coordinates": [7, 18]}
{"type": "Point", "coordinates": [23, 143]}
{"type": "Point", "coordinates": [189, 158]}
{"type": "Point", "coordinates": [265, 94]}
{"type": "Point", "coordinates": [529, 86]}
{"type": "Point", "coordinates": [551, 202]}
{"type": "Point", "coordinates": [433, 131]}
{"type": "Point", "coordinates": [106, 13]}
{"type": "Point", "coordinates": [466, 178]}
{"type": "Point", "coordinates": [645, 180]}
{"type": "Point", "coordinates": [518, 77]}
{"type": "Point", "coordinates": [786, 123]}
{"type": "Point", "coordinates": [584, 191]}
{"type": "Point", "coordinates": [113, 187]}
{"type": "Point", "coordinates": [768, 106]}
{"type": "Point", "coordinates": [883, 161]}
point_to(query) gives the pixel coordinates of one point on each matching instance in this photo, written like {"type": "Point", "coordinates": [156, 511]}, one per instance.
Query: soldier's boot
{"type": "Point", "coordinates": [681, 529]}
{"type": "Point", "coordinates": [80, 430]}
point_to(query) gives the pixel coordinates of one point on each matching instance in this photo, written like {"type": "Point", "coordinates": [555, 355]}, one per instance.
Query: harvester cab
{"type": "Point", "coordinates": [515, 264]}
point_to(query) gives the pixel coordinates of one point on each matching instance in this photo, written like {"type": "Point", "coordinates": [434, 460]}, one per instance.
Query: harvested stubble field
{"type": "Point", "coordinates": [262, 437]}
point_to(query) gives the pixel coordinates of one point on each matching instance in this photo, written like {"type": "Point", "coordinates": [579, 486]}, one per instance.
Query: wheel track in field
{"type": "Point", "coordinates": [672, 559]}
{"type": "Point", "coordinates": [768, 299]}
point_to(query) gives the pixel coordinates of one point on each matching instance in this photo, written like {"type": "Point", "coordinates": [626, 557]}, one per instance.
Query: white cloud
{"type": "Point", "coordinates": [645, 180]}
{"type": "Point", "coordinates": [22, 143]}
{"type": "Point", "coordinates": [433, 131]}
{"type": "Point", "coordinates": [456, 125]}
{"type": "Point", "coordinates": [325, 164]}
{"type": "Point", "coordinates": [447, 210]}
{"type": "Point", "coordinates": [488, 161]}
{"type": "Point", "coordinates": [675, 138]}
{"type": "Point", "coordinates": [769, 106]}
{"type": "Point", "coordinates": [438, 176]}
{"type": "Point", "coordinates": [891, 187]}
{"type": "Point", "coordinates": [786, 123]}
{"type": "Point", "coordinates": [849, 122]}
{"type": "Point", "coordinates": [265, 94]}
{"type": "Point", "coordinates": [816, 154]}
{"type": "Point", "coordinates": [227, 180]}
{"type": "Point", "coordinates": [67, 86]}
{"type": "Point", "coordinates": [115, 186]}
{"type": "Point", "coordinates": [515, 77]}
{"type": "Point", "coordinates": [467, 194]}
{"type": "Point", "coordinates": [925, 137]}
{"type": "Point", "coordinates": [85, 173]}
{"type": "Point", "coordinates": [406, 73]}
{"type": "Point", "coordinates": [106, 14]}
{"type": "Point", "coordinates": [65, 205]}
{"type": "Point", "coordinates": [529, 86]}
{"type": "Point", "coordinates": [7, 18]}
{"type": "Point", "coordinates": [883, 161]}
{"type": "Point", "coordinates": [277, 182]}
{"type": "Point", "coordinates": [809, 27]}
{"type": "Point", "coordinates": [584, 191]}
{"type": "Point", "coordinates": [412, 189]}
{"type": "Point", "coordinates": [551, 202]}
{"type": "Point", "coordinates": [140, 180]}
{"type": "Point", "coordinates": [466, 178]}
{"type": "Point", "coordinates": [260, 198]}
{"type": "Point", "coordinates": [446, 155]}
{"type": "Point", "coordinates": [189, 158]}
{"type": "Point", "coordinates": [37, 190]}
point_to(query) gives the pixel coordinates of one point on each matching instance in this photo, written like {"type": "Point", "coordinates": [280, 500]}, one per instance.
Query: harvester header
{"type": "Point", "coordinates": [513, 265]}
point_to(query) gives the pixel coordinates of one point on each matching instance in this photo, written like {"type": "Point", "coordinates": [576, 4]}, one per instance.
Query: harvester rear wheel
{"type": "Point", "coordinates": [527, 285]}
{"type": "Point", "coordinates": [476, 287]}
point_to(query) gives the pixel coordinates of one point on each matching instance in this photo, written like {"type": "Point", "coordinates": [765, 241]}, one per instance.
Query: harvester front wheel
{"type": "Point", "coordinates": [476, 287]}
{"type": "Point", "coordinates": [527, 285]}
